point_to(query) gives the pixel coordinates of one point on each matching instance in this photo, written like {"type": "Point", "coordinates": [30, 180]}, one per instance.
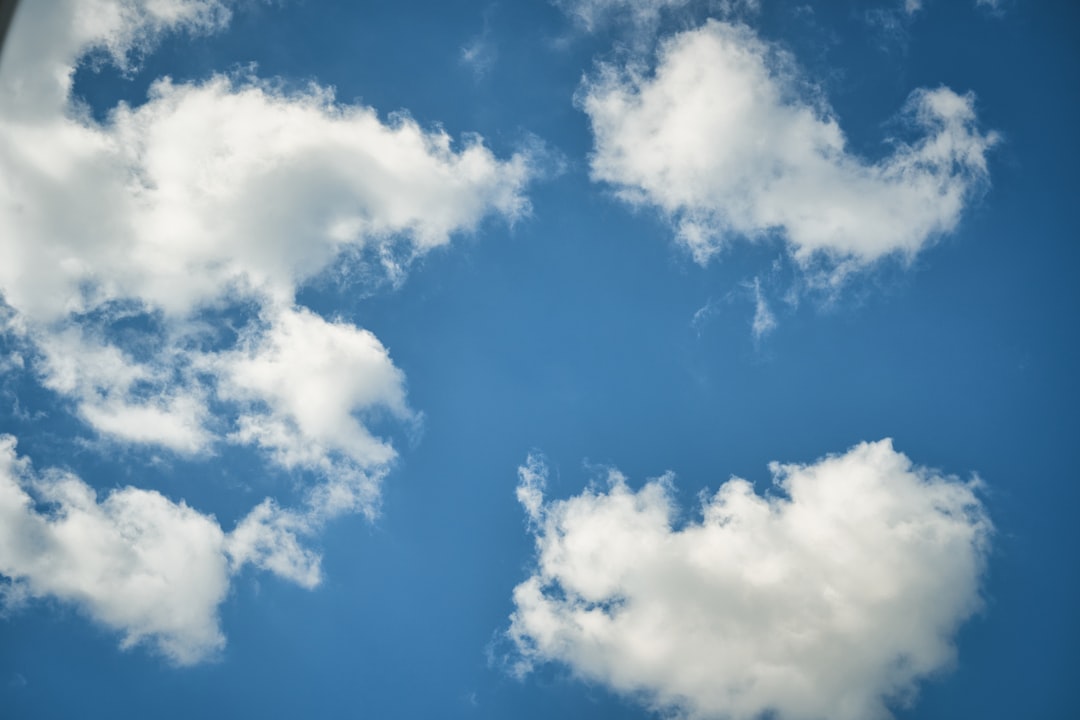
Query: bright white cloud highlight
{"type": "Point", "coordinates": [724, 139]}
{"type": "Point", "coordinates": [123, 398]}
{"type": "Point", "coordinates": [47, 39]}
{"type": "Point", "coordinates": [827, 598]}
{"type": "Point", "coordinates": [227, 187]}
{"type": "Point", "coordinates": [209, 193]}
{"type": "Point", "coordinates": [150, 264]}
{"type": "Point", "coordinates": [141, 564]}
{"type": "Point", "coordinates": [312, 377]}
{"type": "Point", "coordinates": [135, 561]}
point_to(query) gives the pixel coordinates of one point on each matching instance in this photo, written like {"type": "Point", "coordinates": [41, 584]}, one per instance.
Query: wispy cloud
{"type": "Point", "coordinates": [764, 321]}
{"type": "Point", "coordinates": [643, 14]}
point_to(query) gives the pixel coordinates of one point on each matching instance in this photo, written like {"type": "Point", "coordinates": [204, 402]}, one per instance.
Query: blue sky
{"type": "Point", "coordinates": [587, 359]}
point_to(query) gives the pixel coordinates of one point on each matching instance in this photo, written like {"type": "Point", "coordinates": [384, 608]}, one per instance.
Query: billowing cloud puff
{"type": "Point", "coordinates": [149, 270]}
{"type": "Point", "coordinates": [47, 41]}
{"type": "Point", "coordinates": [139, 402]}
{"type": "Point", "coordinates": [308, 378]}
{"type": "Point", "coordinates": [139, 563]}
{"type": "Point", "coordinates": [225, 191]}
{"type": "Point", "coordinates": [135, 561]}
{"type": "Point", "coordinates": [209, 196]}
{"type": "Point", "coordinates": [227, 187]}
{"type": "Point", "coordinates": [827, 598]}
{"type": "Point", "coordinates": [724, 138]}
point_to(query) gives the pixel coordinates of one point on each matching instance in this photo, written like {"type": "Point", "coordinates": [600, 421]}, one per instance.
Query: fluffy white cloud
{"type": "Point", "coordinates": [309, 379]}
{"type": "Point", "coordinates": [826, 598]}
{"type": "Point", "coordinates": [120, 397]}
{"type": "Point", "coordinates": [724, 138]}
{"type": "Point", "coordinates": [271, 538]}
{"type": "Point", "coordinates": [229, 186]}
{"type": "Point", "coordinates": [308, 390]}
{"type": "Point", "coordinates": [208, 194]}
{"type": "Point", "coordinates": [137, 562]}
{"type": "Point", "coordinates": [150, 265]}
{"type": "Point", "coordinates": [48, 39]}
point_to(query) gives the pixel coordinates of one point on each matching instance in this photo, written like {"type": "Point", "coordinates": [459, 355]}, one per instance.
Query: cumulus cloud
{"type": "Point", "coordinates": [227, 187]}
{"type": "Point", "coordinates": [121, 397]}
{"type": "Point", "coordinates": [231, 192]}
{"type": "Point", "coordinates": [725, 139]}
{"type": "Point", "coordinates": [271, 538]}
{"type": "Point", "coordinates": [307, 379]}
{"type": "Point", "coordinates": [139, 563]}
{"type": "Point", "coordinates": [153, 569]}
{"type": "Point", "coordinates": [41, 53]}
{"type": "Point", "coordinates": [208, 194]}
{"type": "Point", "coordinates": [150, 268]}
{"type": "Point", "coordinates": [829, 597]}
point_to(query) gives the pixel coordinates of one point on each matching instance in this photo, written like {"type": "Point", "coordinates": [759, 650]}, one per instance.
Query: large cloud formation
{"type": "Point", "coordinates": [151, 261]}
{"type": "Point", "coordinates": [828, 598]}
{"type": "Point", "coordinates": [725, 138]}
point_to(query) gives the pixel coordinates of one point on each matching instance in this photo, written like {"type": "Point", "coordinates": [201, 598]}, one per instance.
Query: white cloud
{"type": "Point", "coordinates": [150, 267]}
{"type": "Point", "coordinates": [227, 187]}
{"type": "Point", "coordinates": [826, 598]}
{"type": "Point", "coordinates": [228, 192]}
{"type": "Point", "coordinates": [313, 378]}
{"type": "Point", "coordinates": [724, 139]}
{"type": "Point", "coordinates": [135, 561]}
{"type": "Point", "coordinates": [208, 195]}
{"type": "Point", "coordinates": [270, 538]}
{"type": "Point", "coordinates": [48, 39]}
{"type": "Point", "coordinates": [139, 563]}
{"type": "Point", "coordinates": [122, 398]}
{"type": "Point", "coordinates": [532, 479]}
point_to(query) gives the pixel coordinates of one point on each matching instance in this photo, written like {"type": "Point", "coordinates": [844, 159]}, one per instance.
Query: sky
{"type": "Point", "coordinates": [705, 359]}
